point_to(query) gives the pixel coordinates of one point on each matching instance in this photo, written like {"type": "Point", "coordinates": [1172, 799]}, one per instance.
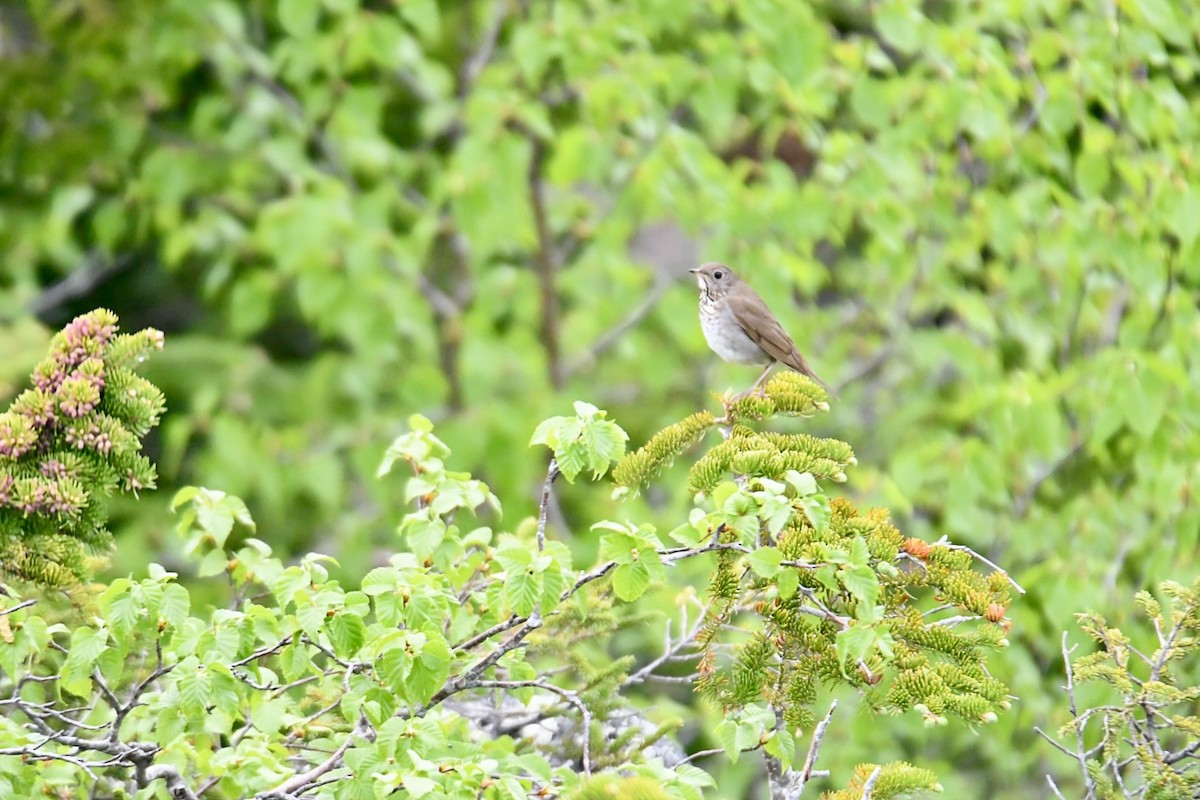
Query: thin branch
{"type": "Point", "coordinates": [568, 695]}
{"type": "Point", "coordinates": [944, 543]}
{"type": "Point", "coordinates": [1054, 788]}
{"type": "Point", "coordinates": [298, 783]}
{"type": "Point", "coordinates": [1088, 782]}
{"type": "Point", "coordinates": [1058, 745]}
{"type": "Point", "coordinates": [670, 650]}
{"type": "Point", "coordinates": [869, 786]}
{"type": "Point", "coordinates": [176, 786]}
{"type": "Point", "coordinates": [473, 65]}
{"type": "Point", "coordinates": [810, 760]}
{"type": "Point", "coordinates": [498, 628]}
{"type": "Point", "coordinates": [614, 334]}
{"type": "Point", "coordinates": [79, 282]}
{"type": "Point", "coordinates": [551, 474]}
{"type": "Point", "coordinates": [4, 612]}
{"type": "Point", "coordinates": [716, 751]}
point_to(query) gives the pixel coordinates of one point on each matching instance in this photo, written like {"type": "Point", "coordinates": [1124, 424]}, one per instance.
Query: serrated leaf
{"type": "Point", "coordinates": [630, 581]}
{"type": "Point", "coordinates": [393, 667]}
{"type": "Point", "coordinates": [295, 661]}
{"type": "Point", "coordinates": [423, 533]}
{"type": "Point", "coordinates": [176, 604]}
{"type": "Point", "coordinates": [347, 632]}
{"type": "Point", "coordinates": [854, 644]}
{"type": "Point", "coordinates": [782, 745]}
{"type": "Point", "coordinates": [765, 561]}
{"type": "Point", "coordinates": [522, 590]}
{"type": "Point", "coordinates": [862, 583]}
{"type": "Point", "coordinates": [429, 670]}
{"type": "Point", "coordinates": [727, 735]}
{"type": "Point", "coordinates": [816, 508]}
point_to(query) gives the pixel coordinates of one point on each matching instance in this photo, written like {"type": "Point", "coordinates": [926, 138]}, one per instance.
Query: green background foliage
{"type": "Point", "coordinates": [980, 221]}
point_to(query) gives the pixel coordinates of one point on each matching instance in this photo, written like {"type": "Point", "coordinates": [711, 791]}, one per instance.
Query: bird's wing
{"type": "Point", "coordinates": [757, 322]}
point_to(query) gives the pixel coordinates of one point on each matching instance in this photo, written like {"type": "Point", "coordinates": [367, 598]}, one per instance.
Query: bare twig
{"type": "Point", "coordinates": [1080, 754]}
{"type": "Point", "coordinates": [176, 786]}
{"type": "Point", "coordinates": [95, 271]}
{"type": "Point", "coordinates": [944, 543]}
{"type": "Point", "coordinates": [551, 474]}
{"type": "Point", "coordinates": [1023, 500]}
{"type": "Point", "coordinates": [474, 64]}
{"type": "Point", "coordinates": [614, 334]}
{"type": "Point", "coordinates": [300, 782]}
{"type": "Point", "coordinates": [806, 772]}
{"type": "Point", "coordinates": [716, 751]}
{"type": "Point", "coordinates": [568, 695]}
{"type": "Point", "coordinates": [670, 649]}
{"type": "Point", "coordinates": [23, 604]}
{"type": "Point", "coordinates": [869, 786]}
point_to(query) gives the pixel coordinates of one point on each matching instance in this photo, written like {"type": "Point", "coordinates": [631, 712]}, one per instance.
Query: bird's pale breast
{"type": "Point", "coordinates": [726, 337]}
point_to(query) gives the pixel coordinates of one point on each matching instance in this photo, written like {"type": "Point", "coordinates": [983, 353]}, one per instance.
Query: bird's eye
{"type": "Point", "coordinates": [718, 274]}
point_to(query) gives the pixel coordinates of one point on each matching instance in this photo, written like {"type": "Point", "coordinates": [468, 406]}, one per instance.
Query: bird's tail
{"type": "Point", "coordinates": [798, 363]}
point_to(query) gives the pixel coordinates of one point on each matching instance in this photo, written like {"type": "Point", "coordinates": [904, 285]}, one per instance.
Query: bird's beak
{"type": "Point", "coordinates": [693, 271]}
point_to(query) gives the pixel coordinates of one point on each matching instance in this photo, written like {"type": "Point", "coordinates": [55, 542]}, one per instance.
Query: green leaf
{"type": "Point", "coordinates": [176, 604]}
{"type": "Point", "coordinates": [183, 496]}
{"type": "Point", "coordinates": [782, 745]}
{"type": "Point", "coordinates": [854, 644]}
{"type": "Point", "coordinates": [765, 561]}
{"type": "Point", "coordinates": [787, 582]}
{"type": "Point", "coordinates": [295, 661]}
{"type": "Point", "coordinates": [423, 532]}
{"type": "Point", "coordinates": [899, 22]}
{"type": "Point", "coordinates": [347, 632]}
{"type": "Point", "coordinates": [860, 555]}
{"type": "Point", "coordinates": [522, 590]}
{"type": "Point", "coordinates": [803, 482]}
{"type": "Point", "coordinates": [863, 583]}
{"type": "Point", "coordinates": [214, 563]}
{"type": "Point", "coordinates": [617, 546]}
{"type": "Point", "coordinates": [816, 508]}
{"type": "Point", "coordinates": [587, 440]}
{"type": "Point", "coordinates": [394, 667]}
{"type": "Point", "coordinates": [422, 15]}
{"type": "Point", "coordinates": [299, 17]}
{"type": "Point", "coordinates": [630, 581]}
{"type": "Point", "coordinates": [429, 670]}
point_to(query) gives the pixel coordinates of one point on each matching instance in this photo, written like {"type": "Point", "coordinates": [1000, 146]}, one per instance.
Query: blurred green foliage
{"type": "Point", "coordinates": [980, 220]}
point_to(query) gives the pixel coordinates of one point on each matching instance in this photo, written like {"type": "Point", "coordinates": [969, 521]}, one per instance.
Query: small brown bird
{"type": "Point", "coordinates": [740, 328]}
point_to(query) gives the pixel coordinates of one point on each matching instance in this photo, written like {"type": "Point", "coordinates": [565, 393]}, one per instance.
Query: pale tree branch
{"type": "Point", "coordinates": [869, 786]}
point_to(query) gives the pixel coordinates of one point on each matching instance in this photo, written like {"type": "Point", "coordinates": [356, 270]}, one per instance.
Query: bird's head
{"type": "Point", "coordinates": [715, 279]}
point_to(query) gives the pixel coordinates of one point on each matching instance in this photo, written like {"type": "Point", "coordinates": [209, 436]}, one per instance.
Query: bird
{"type": "Point", "coordinates": [740, 328]}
